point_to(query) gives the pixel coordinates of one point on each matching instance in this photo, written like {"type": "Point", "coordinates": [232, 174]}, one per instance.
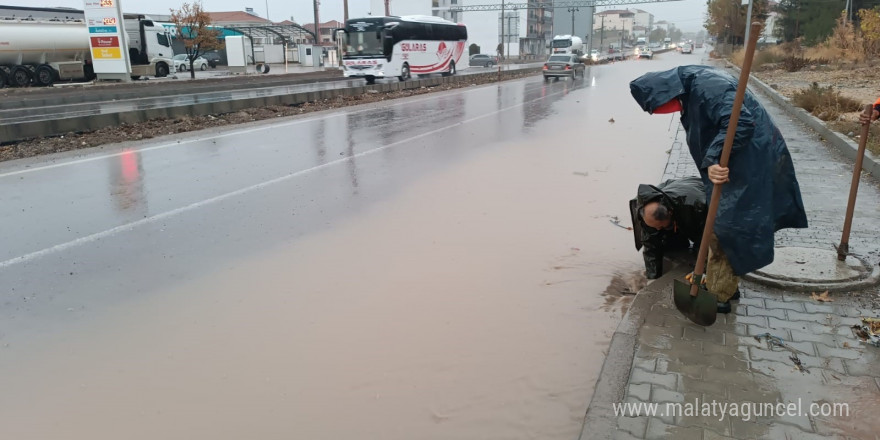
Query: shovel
{"type": "Point", "coordinates": [690, 298]}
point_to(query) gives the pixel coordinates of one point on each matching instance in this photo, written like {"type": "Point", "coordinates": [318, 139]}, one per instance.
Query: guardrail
{"type": "Point", "coordinates": [29, 130]}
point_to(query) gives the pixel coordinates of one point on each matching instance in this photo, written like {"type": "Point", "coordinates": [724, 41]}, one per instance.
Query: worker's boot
{"type": "Point", "coordinates": [724, 307]}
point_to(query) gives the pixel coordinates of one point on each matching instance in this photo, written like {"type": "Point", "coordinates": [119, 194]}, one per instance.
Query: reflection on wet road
{"type": "Point", "coordinates": [425, 268]}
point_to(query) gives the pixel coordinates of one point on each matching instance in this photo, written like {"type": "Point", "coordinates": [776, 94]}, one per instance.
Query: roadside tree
{"type": "Point", "coordinates": [195, 31]}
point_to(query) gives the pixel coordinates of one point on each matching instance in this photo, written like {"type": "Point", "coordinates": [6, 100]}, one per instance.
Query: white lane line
{"type": "Point", "coordinates": [227, 134]}
{"type": "Point", "coordinates": [147, 220]}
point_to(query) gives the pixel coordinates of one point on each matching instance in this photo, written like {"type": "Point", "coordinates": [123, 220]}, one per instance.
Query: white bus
{"type": "Point", "coordinates": [388, 47]}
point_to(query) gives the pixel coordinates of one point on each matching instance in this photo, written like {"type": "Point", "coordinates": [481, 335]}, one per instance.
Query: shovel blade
{"type": "Point", "coordinates": [701, 309]}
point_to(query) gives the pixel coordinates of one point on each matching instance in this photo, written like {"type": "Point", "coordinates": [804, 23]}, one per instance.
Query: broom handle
{"type": "Point", "coordinates": [725, 155]}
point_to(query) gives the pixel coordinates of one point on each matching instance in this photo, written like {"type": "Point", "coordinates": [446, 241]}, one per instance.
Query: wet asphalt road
{"type": "Point", "coordinates": [53, 112]}
{"type": "Point", "coordinates": [436, 267]}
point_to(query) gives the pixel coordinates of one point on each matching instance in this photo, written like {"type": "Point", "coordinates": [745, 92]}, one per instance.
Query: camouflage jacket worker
{"type": "Point", "coordinates": [685, 202]}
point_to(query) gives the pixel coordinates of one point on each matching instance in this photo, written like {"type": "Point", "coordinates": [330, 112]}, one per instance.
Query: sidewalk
{"type": "Point", "coordinates": [674, 361]}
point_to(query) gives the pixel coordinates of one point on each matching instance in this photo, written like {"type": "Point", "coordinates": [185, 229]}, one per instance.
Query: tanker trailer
{"type": "Point", "coordinates": [39, 53]}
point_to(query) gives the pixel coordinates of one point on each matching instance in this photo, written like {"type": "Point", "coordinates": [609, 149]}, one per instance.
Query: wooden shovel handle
{"type": "Point", "coordinates": [843, 248]}
{"type": "Point", "coordinates": [725, 154]}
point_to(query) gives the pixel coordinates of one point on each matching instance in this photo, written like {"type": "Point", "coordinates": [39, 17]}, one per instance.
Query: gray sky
{"type": "Point", "coordinates": [688, 15]}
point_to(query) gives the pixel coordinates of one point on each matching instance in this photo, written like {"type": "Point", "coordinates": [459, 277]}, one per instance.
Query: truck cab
{"type": "Point", "coordinates": [149, 47]}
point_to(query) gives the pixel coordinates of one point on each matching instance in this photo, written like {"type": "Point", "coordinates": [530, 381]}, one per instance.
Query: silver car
{"type": "Point", "coordinates": [181, 63]}
{"type": "Point", "coordinates": [563, 65]}
{"type": "Point", "coordinates": [484, 60]}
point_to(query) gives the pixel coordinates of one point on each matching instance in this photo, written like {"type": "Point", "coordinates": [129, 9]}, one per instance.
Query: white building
{"type": "Point", "coordinates": [617, 27]}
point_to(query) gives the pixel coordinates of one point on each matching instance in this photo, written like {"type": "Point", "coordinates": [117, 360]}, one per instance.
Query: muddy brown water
{"type": "Point", "coordinates": [476, 303]}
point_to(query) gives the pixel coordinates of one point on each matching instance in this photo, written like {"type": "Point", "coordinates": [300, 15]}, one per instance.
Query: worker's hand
{"type": "Point", "coordinates": [865, 120]}
{"type": "Point", "coordinates": [690, 278]}
{"type": "Point", "coordinates": [718, 174]}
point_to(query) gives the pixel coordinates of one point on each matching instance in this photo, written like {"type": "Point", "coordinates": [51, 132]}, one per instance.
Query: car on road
{"type": "Point", "coordinates": [594, 55]}
{"type": "Point", "coordinates": [563, 65]}
{"type": "Point", "coordinates": [687, 48]}
{"type": "Point", "coordinates": [181, 63]}
{"type": "Point", "coordinates": [483, 60]}
{"type": "Point", "coordinates": [644, 52]}
{"type": "Point", "coordinates": [616, 54]}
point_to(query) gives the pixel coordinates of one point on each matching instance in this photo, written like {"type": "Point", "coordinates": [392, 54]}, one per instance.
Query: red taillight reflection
{"type": "Point", "coordinates": [567, 67]}
{"type": "Point", "coordinates": [545, 67]}
{"type": "Point", "coordinates": [129, 162]}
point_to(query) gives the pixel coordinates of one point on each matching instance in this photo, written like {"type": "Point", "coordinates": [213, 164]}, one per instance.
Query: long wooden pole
{"type": "Point", "coordinates": [843, 248]}
{"type": "Point", "coordinates": [725, 156]}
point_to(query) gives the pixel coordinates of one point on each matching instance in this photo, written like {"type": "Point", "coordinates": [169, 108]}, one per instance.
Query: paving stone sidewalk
{"type": "Point", "coordinates": [730, 363]}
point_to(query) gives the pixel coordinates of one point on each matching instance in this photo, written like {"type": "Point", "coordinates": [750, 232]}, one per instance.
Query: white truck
{"type": "Point", "coordinates": [567, 44]}
{"type": "Point", "coordinates": [35, 52]}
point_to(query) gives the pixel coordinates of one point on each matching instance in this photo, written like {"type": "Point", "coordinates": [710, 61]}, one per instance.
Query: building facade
{"type": "Point", "coordinates": [574, 21]}
{"type": "Point", "coordinates": [618, 28]}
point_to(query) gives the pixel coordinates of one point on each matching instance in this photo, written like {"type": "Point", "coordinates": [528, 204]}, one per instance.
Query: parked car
{"type": "Point", "coordinates": [181, 63]}
{"type": "Point", "coordinates": [644, 52]}
{"type": "Point", "coordinates": [213, 59]}
{"type": "Point", "coordinates": [483, 60]}
{"type": "Point", "coordinates": [563, 65]}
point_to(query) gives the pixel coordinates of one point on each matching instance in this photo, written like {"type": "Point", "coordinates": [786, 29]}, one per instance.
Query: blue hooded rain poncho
{"type": "Point", "coordinates": [763, 195]}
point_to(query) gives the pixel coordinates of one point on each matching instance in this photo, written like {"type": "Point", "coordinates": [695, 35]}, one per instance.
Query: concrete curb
{"type": "Point", "coordinates": [600, 422]}
{"type": "Point", "coordinates": [842, 143]}
{"type": "Point", "coordinates": [846, 286]}
{"type": "Point", "coordinates": [28, 130]}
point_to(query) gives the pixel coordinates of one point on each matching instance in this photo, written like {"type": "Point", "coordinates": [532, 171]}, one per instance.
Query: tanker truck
{"type": "Point", "coordinates": [34, 52]}
{"type": "Point", "coordinates": [567, 44]}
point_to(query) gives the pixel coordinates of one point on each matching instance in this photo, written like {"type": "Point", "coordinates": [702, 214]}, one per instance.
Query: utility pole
{"type": "Point", "coordinates": [387, 8]}
{"type": "Point", "coordinates": [602, 34]}
{"type": "Point", "coordinates": [508, 32]}
{"type": "Point", "coordinates": [748, 21]}
{"type": "Point", "coordinates": [502, 33]}
{"type": "Point", "coordinates": [572, 10]}
{"type": "Point", "coordinates": [344, 10]}
{"type": "Point", "coordinates": [267, 9]}
{"type": "Point", "coordinates": [317, 23]}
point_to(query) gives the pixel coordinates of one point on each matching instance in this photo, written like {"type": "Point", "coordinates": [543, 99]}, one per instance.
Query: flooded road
{"type": "Point", "coordinates": [436, 268]}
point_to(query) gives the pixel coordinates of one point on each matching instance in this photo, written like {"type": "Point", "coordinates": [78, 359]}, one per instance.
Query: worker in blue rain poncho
{"type": "Point", "coordinates": [761, 194]}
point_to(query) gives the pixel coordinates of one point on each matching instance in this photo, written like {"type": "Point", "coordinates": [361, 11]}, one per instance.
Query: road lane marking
{"type": "Point", "coordinates": [147, 220]}
{"type": "Point", "coordinates": [227, 134]}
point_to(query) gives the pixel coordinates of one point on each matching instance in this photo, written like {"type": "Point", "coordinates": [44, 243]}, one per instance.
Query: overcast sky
{"type": "Point", "coordinates": [688, 15]}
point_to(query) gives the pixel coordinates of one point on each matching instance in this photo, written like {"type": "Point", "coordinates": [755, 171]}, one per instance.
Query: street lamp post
{"type": "Point", "coordinates": [572, 10]}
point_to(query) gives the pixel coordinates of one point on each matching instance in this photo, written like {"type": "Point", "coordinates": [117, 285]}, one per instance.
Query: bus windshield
{"type": "Point", "coordinates": [363, 44]}
{"type": "Point", "coordinates": [363, 38]}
